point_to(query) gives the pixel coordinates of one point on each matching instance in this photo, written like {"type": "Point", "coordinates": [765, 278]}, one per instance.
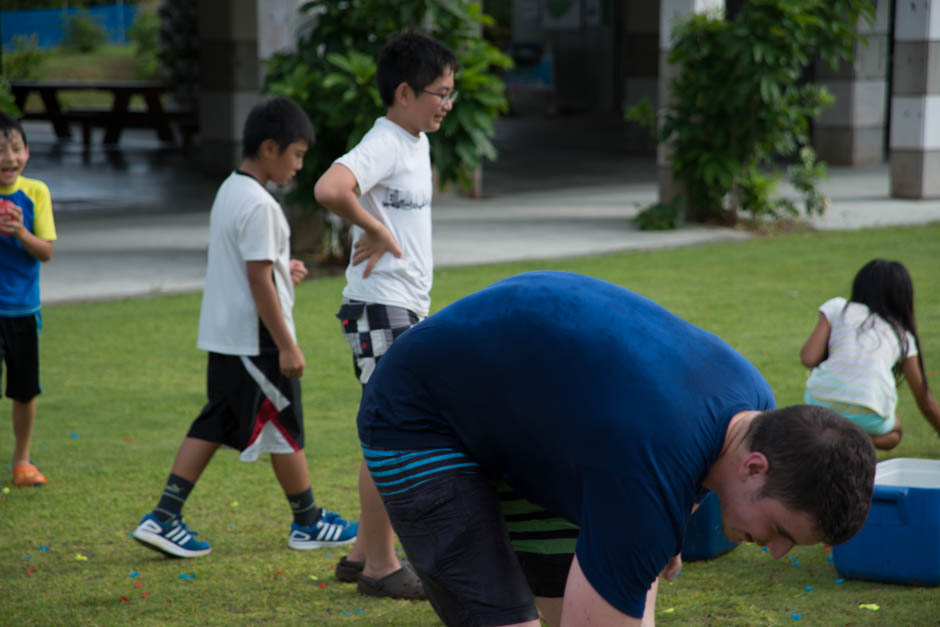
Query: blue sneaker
{"type": "Point", "coordinates": [330, 530]}
{"type": "Point", "coordinates": [171, 538]}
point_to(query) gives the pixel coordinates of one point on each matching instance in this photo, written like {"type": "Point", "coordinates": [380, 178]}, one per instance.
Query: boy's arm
{"type": "Point", "coordinates": [13, 225]}
{"type": "Point", "coordinates": [338, 191]}
{"type": "Point", "coordinates": [263, 290]}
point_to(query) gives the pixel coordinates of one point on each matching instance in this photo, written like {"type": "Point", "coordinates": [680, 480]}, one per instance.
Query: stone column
{"type": "Point", "coordinates": [640, 67]}
{"type": "Point", "coordinates": [852, 130]}
{"type": "Point", "coordinates": [229, 81]}
{"type": "Point", "coordinates": [671, 11]}
{"type": "Point", "coordinates": [915, 100]}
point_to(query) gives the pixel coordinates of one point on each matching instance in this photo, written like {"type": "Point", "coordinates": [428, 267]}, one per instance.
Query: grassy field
{"type": "Point", "coordinates": [123, 381]}
{"type": "Point", "coordinates": [107, 63]}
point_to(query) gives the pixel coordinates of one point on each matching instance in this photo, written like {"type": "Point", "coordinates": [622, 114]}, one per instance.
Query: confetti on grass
{"type": "Point", "coordinates": [6, 490]}
{"type": "Point", "coordinates": [75, 436]}
{"type": "Point", "coordinates": [874, 607]}
{"type": "Point", "coordinates": [187, 575]}
{"type": "Point", "coordinates": [795, 616]}
{"type": "Point", "coordinates": [80, 558]}
{"type": "Point", "coordinates": [134, 574]}
{"type": "Point", "coordinates": [44, 548]}
{"type": "Point", "coordinates": [795, 562]}
{"type": "Point", "coordinates": [670, 610]}
{"type": "Point", "coordinates": [808, 588]}
{"type": "Point", "coordinates": [839, 580]}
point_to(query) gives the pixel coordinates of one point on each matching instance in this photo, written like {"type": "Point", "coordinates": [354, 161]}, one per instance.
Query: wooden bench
{"type": "Point", "coordinates": [115, 119]}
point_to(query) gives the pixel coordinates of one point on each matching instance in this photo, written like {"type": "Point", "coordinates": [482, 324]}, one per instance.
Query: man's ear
{"type": "Point", "coordinates": [753, 466]}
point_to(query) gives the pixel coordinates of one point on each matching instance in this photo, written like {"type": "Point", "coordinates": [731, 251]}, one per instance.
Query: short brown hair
{"type": "Point", "coordinates": [820, 463]}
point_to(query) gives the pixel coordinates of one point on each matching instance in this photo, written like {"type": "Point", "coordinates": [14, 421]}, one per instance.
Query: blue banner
{"type": "Point", "coordinates": [47, 24]}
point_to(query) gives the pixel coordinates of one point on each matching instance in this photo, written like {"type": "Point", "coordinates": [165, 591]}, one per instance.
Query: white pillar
{"type": "Point", "coordinates": [852, 130]}
{"type": "Point", "coordinates": [915, 101]}
{"type": "Point", "coordinates": [235, 35]}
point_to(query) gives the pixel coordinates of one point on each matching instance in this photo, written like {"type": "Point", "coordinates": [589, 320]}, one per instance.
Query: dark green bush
{"type": "Point", "coordinates": [145, 34]}
{"type": "Point", "coordinates": [332, 76]}
{"type": "Point", "coordinates": [740, 104]}
{"type": "Point", "coordinates": [82, 33]}
{"type": "Point", "coordinates": [179, 49]}
{"type": "Point", "coordinates": [23, 59]}
{"type": "Point", "coordinates": [7, 102]}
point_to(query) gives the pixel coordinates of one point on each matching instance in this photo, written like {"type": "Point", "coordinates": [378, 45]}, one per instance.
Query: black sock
{"type": "Point", "coordinates": [303, 508]}
{"type": "Point", "coordinates": [173, 498]}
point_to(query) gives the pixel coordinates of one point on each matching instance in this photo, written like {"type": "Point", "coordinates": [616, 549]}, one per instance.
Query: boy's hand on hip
{"type": "Point", "coordinates": [372, 245]}
{"type": "Point", "coordinates": [292, 362]}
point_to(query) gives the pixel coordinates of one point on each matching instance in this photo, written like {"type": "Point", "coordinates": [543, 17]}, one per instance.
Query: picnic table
{"type": "Point", "coordinates": [114, 119]}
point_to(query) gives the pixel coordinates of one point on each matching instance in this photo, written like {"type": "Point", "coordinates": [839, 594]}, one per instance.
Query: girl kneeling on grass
{"type": "Point", "coordinates": [862, 348]}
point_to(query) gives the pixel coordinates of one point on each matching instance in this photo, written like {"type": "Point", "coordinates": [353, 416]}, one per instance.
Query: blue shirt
{"type": "Point", "coordinates": [588, 399]}
{"type": "Point", "coordinates": [19, 270]}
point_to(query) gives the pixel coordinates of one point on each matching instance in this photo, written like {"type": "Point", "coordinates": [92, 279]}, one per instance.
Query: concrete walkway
{"type": "Point", "coordinates": [134, 222]}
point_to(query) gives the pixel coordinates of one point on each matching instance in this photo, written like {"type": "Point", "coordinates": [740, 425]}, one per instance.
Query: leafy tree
{"type": "Point", "coordinates": [740, 104]}
{"type": "Point", "coordinates": [332, 76]}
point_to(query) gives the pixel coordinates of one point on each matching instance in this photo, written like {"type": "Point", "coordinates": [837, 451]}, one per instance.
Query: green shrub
{"type": "Point", "coordinates": [145, 34]}
{"type": "Point", "coordinates": [740, 105]}
{"type": "Point", "coordinates": [662, 216]}
{"type": "Point", "coordinates": [179, 49]}
{"type": "Point", "coordinates": [83, 33]}
{"type": "Point", "coordinates": [7, 102]}
{"type": "Point", "coordinates": [23, 60]}
{"type": "Point", "coordinates": [332, 76]}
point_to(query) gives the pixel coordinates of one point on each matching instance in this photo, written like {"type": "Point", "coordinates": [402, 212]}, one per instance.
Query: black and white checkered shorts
{"type": "Point", "coordinates": [370, 329]}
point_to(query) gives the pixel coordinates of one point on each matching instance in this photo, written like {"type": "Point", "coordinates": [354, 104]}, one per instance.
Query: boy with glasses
{"type": "Point", "coordinates": [383, 186]}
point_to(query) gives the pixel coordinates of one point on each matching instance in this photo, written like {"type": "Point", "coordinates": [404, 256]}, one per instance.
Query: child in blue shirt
{"type": "Point", "coordinates": [27, 231]}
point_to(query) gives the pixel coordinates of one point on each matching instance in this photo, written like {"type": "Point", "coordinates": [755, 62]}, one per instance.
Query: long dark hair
{"type": "Point", "coordinates": [885, 287]}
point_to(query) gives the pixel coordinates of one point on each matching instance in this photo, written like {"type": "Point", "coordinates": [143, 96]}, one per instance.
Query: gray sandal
{"type": "Point", "coordinates": [401, 584]}
{"type": "Point", "coordinates": [348, 571]}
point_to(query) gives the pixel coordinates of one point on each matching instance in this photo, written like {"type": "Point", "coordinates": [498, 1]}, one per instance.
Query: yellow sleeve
{"type": "Point", "coordinates": [43, 223]}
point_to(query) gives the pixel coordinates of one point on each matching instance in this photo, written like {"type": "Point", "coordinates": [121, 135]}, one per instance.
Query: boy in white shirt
{"type": "Point", "coordinates": [383, 186]}
{"type": "Point", "coordinates": [247, 327]}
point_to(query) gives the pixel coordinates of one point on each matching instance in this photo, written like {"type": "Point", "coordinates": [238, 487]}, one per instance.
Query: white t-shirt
{"type": "Point", "coordinates": [862, 353]}
{"type": "Point", "coordinates": [393, 170]}
{"type": "Point", "coordinates": [246, 224]}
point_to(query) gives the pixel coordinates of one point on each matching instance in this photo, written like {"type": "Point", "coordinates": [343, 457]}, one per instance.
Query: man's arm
{"type": "Point", "coordinates": [816, 348]}
{"type": "Point", "coordinates": [263, 290]}
{"type": "Point", "coordinates": [13, 226]}
{"type": "Point", "coordinates": [583, 606]}
{"type": "Point", "coordinates": [338, 191]}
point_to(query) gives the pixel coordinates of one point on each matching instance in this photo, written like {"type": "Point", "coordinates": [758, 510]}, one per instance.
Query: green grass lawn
{"type": "Point", "coordinates": [108, 63]}
{"type": "Point", "coordinates": [123, 381]}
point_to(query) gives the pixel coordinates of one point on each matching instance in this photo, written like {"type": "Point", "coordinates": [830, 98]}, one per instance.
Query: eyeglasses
{"type": "Point", "coordinates": [449, 97]}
